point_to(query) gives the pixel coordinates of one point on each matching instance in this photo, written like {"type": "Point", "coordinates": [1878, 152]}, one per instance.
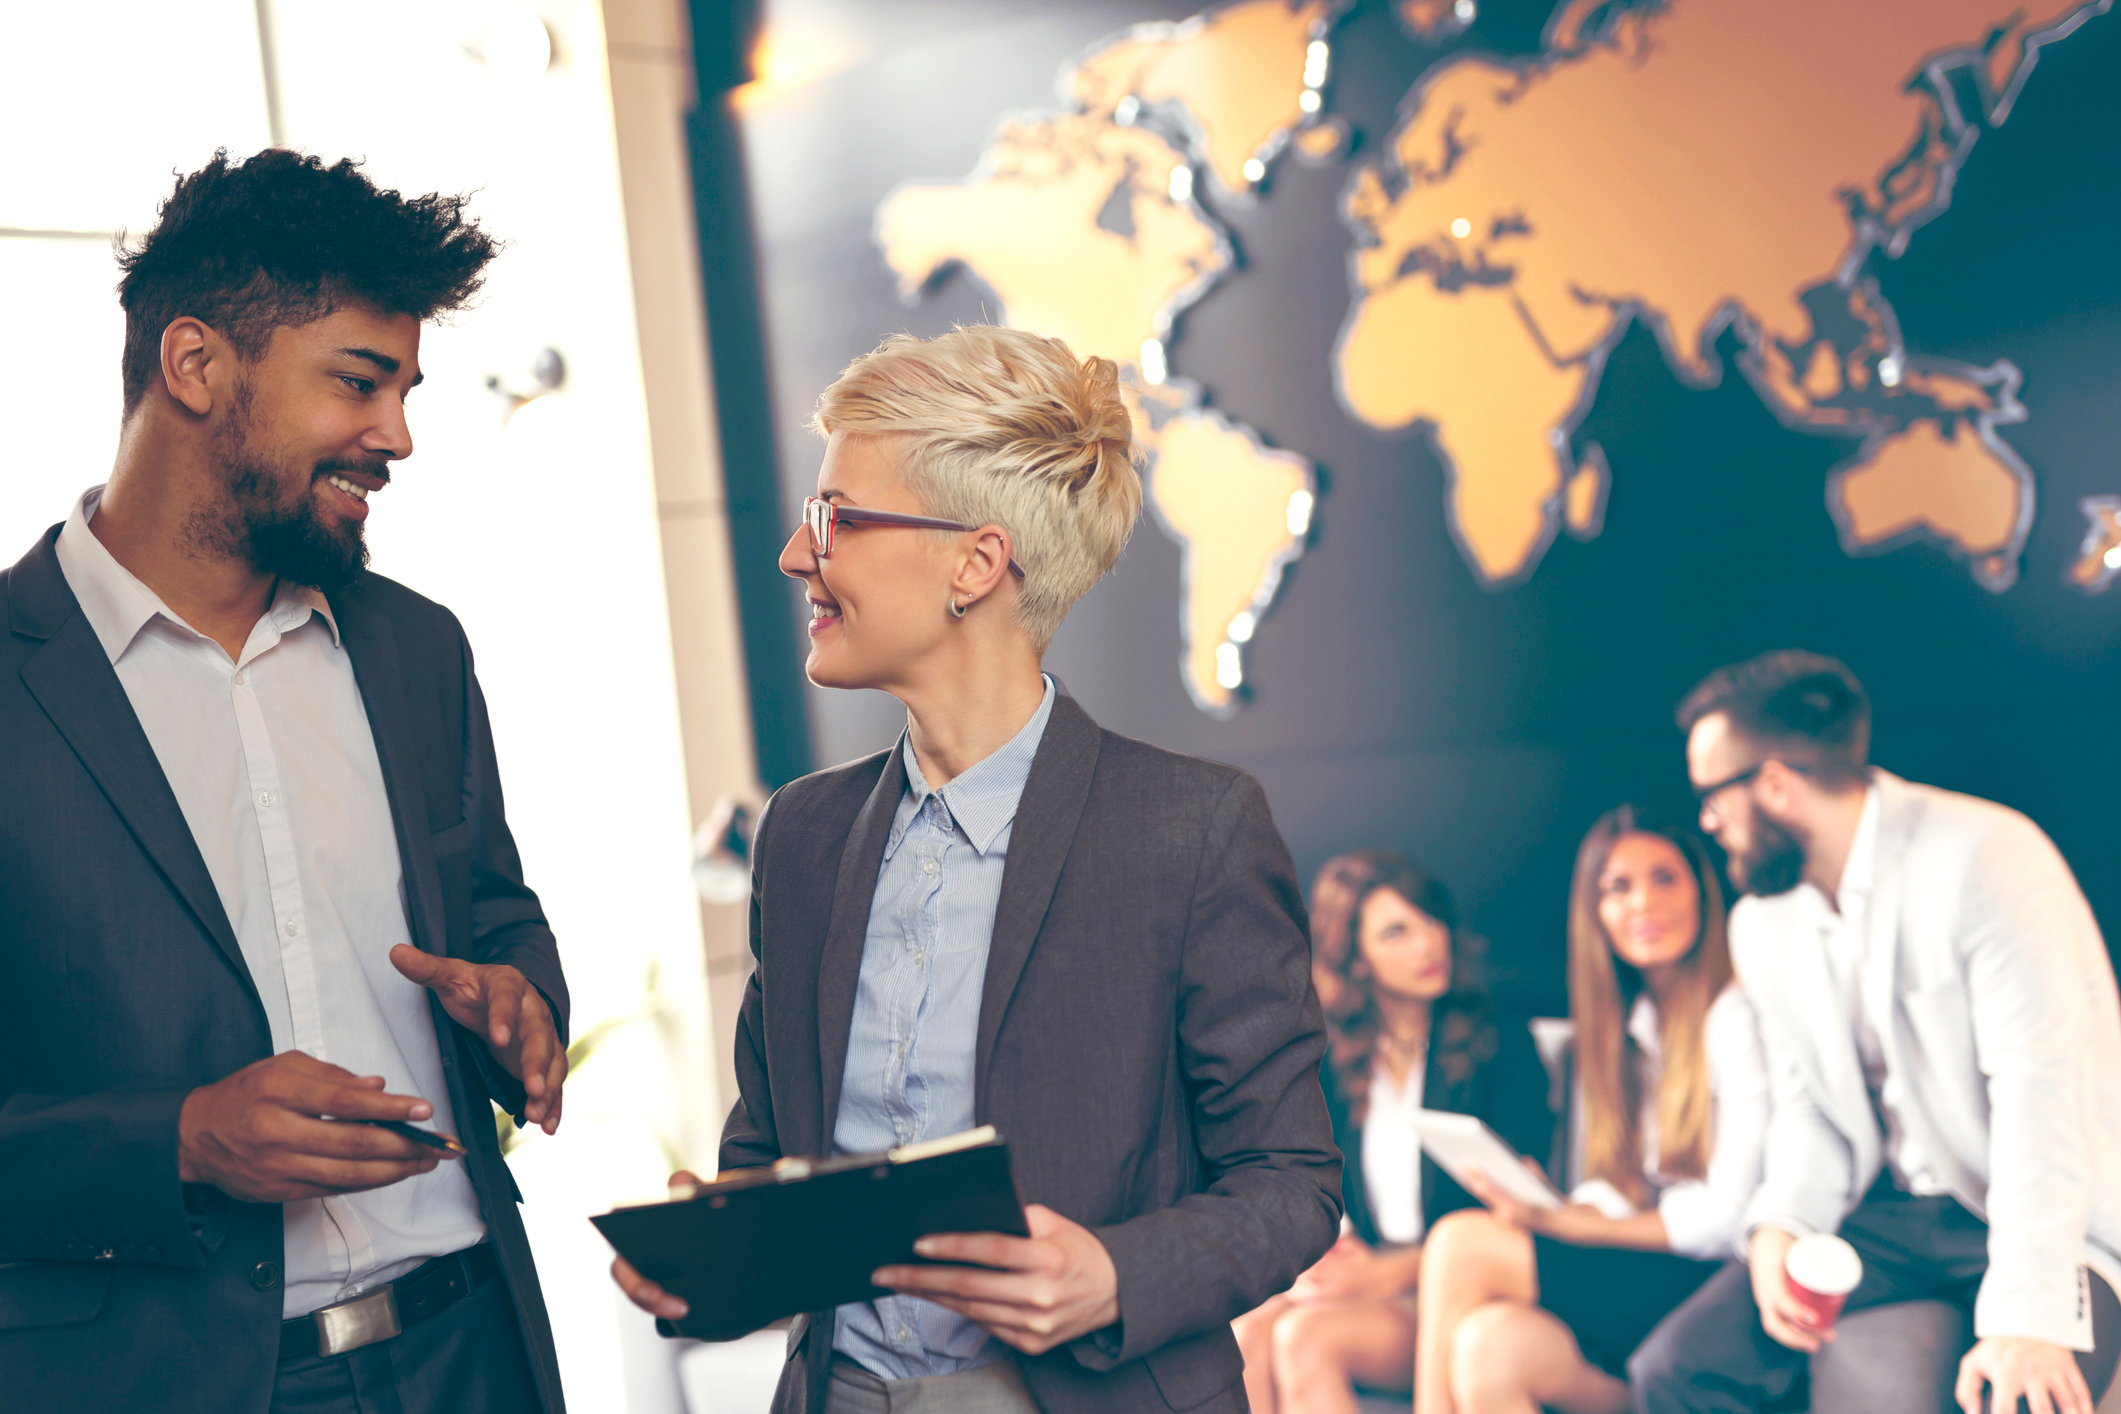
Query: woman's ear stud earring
{"type": "Point", "coordinates": [957, 610]}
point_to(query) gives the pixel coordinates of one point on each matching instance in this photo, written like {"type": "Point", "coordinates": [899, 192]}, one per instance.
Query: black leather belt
{"type": "Point", "coordinates": [390, 1310]}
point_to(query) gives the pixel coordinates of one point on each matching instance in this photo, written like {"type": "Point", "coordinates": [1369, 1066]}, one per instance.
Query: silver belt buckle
{"type": "Point", "coordinates": [361, 1321]}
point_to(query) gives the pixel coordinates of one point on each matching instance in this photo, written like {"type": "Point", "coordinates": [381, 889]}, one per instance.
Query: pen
{"type": "Point", "coordinates": [417, 1135]}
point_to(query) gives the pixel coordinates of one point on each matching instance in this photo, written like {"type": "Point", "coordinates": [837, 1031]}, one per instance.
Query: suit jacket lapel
{"type": "Point", "coordinates": [1881, 919]}
{"type": "Point", "coordinates": [1046, 820]}
{"type": "Point", "coordinates": [1832, 1023]}
{"type": "Point", "coordinates": [1436, 1094]}
{"type": "Point", "coordinates": [373, 648]}
{"type": "Point", "coordinates": [73, 681]}
{"type": "Point", "coordinates": [840, 964]}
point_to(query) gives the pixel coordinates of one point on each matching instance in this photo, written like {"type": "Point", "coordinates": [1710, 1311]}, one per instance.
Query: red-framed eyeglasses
{"type": "Point", "coordinates": [822, 518]}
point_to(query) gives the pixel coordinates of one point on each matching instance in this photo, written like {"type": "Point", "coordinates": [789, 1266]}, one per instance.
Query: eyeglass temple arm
{"type": "Point", "coordinates": [858, 515]}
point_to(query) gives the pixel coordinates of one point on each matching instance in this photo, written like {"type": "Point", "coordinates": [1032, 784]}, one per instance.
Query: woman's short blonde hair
{"type": "Point", "coordinates": [1011, 429]}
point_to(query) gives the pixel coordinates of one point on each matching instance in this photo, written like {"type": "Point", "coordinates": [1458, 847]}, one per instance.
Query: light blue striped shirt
{"type": "Point", "coordinates": [916, 1017]}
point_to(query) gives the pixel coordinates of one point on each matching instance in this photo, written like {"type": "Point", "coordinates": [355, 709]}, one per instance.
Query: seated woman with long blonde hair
{"type": "Point", "coordinates": [1410, 1027]}
{"type": "Point", "coordinates": [1522, 1310]}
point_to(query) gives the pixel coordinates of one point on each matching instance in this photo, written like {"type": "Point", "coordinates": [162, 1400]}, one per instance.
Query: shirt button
{"type": "Point", "coordinates": [928, 866]}
{"type": "Point", "coordinates": [239, 683]}
{"type": "Point", "coordinates": [292, 927]}
{"type": "Point", "coordinates": [265, 1276]}
{"type": "Point", "coordinates": [265, 799]}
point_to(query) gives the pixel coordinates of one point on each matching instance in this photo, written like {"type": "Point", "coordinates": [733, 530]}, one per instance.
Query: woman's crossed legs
{"type": "Point", "coordinates": [1306, 1357]}
{"type": "Point", "coordinates": [1484, 1345]}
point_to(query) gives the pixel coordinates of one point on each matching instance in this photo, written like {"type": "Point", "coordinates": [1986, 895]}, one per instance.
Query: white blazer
{"type": "Point", "coordinates": [2006, 1028]}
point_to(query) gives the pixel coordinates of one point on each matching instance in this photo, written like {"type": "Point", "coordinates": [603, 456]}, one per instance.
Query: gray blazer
{"type": "Point", "coordinates": [122, 989]}
{"type": "Point", "coordinates": [1148, 1043]}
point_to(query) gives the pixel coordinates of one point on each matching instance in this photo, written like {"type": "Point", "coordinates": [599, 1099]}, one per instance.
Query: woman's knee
{"type": "Point", "coordinates": [1474, 1253]}
{"type": "Point", "coordinates": [1309, 1342]}
{"type": "Point", "coordinates": [1298, 1332]}
{"type": "Point", "coordinates": [1255, 1333]}
{"type": "Point", "coordinates": [1487, 1354]}
{"type": "Point", "coordinates": [1467, 1230]}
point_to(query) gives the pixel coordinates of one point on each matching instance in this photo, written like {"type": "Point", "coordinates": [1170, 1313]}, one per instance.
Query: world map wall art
{"type": "Point", "coordinates": [1726, 173]}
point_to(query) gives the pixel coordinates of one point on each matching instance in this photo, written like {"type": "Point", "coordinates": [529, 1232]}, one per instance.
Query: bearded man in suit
{"type": "Point", "coordinates": [1944, 1046]}
{"type": "Point", "coordinates": [255, 877]}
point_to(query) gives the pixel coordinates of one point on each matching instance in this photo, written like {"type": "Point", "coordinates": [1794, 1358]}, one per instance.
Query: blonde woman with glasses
{"type": "Point", "coordinates": [1014, 917]}
{"type": "Point", "coordinates": [1524, 1310]}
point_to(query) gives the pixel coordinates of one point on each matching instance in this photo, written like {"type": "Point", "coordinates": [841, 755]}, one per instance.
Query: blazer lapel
{"type": "Point", "coordinates": [1436, 1094]}
{"type": "Point", "coordinates": [1046, 819]}
{"type": "Point", "coordinates": [73, 681]}
{"type": "Point", "coordinates": [1881, 919]}
{"type": "Point", "coordinates": [373, 648]}
{"type": "Point", "coordinates": [840, 964]}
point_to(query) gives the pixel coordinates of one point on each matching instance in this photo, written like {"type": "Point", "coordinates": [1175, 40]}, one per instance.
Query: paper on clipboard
{"type": "Point", "coordinates": [1462, 1146]}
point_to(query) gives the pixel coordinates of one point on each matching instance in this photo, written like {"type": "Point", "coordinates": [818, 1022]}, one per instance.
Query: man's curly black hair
{"type": "Point", "coordinates": [280, 239]}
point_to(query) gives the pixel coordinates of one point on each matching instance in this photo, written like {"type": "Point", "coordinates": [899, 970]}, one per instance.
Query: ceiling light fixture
{"type": "Point", "coordinates": [516, 44]}
{"type": "Point", "coordinates": [547, 372]}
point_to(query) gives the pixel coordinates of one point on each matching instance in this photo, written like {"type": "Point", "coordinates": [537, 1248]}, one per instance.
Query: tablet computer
{"type": "Point", "coordinates": [1462, 1146]}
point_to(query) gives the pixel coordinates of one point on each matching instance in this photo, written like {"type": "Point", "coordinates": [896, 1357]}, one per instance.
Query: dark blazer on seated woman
{"type": "Point", "coordinates": [1148, 1043]}
{"type": "Point", "coordinates": [1505, 1087]}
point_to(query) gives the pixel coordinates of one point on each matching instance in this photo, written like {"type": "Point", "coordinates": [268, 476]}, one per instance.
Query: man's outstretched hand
{"type": "Point", "coordinates": [1035, 1293]}
{"type": "Point", "coordinates": [260, 1136]}
{"type": "Point", "coordinates": [497, 1002]}
{"type": "Point", "coordinates": [2008, 1368]}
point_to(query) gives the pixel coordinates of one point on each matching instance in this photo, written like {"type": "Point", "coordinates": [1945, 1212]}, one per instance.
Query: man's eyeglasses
{"type": "Point", "coordinates": [823, 520]}
{"type": "Point", "coordinates": [1703, 793]}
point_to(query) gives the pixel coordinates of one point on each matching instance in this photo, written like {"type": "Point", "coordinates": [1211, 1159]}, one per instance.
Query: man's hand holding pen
{"type": "Point", "coordinates": [262, 1135]}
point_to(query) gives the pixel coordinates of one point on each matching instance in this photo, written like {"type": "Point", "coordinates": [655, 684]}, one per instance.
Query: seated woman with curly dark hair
{"type": "Point", "coordinates": [1410, 1027]}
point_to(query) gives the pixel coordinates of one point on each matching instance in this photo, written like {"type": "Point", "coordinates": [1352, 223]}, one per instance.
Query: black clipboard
{"type": "Point", "coordinates": [805, 1234]}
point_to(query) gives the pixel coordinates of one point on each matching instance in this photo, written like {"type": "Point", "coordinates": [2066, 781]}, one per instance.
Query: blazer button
{"type": "Point", "coordinates": [265, 1276]}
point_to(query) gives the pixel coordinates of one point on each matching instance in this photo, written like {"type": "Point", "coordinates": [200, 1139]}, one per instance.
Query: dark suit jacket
{"type": "Point", "coordinates": [122, 989]}
{"type": "Point", "coordinates": [1148, 1043]}
{"type": "Point", "coordinates": [1507, 1091]}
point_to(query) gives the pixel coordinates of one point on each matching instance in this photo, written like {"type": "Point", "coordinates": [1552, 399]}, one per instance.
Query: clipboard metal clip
{"type": "Point", "coordinates": [790, 1170]}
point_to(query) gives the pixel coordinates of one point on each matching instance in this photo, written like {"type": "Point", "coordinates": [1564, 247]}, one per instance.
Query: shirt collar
{"type": "Point", "coordinates": [117, 605]}
{"type": "Point", "coordinates": [1642, 1024]}
{"type": "Point", "coordinates": [1862, 865]}
{"type": "Point", "coordinates": [983, 799]}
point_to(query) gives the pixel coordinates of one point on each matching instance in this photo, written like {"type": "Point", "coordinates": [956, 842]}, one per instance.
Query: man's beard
{"type": "Point", "coordinates": [1774, 862]}
{"type": "Point", "coordinates": [287, 537]}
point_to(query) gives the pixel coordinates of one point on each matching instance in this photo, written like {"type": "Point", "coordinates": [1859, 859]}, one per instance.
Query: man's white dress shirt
{"type": "Point", "coordinates": [1866, 998]}
{"type": "Point", "coordinates": [273, 763]}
